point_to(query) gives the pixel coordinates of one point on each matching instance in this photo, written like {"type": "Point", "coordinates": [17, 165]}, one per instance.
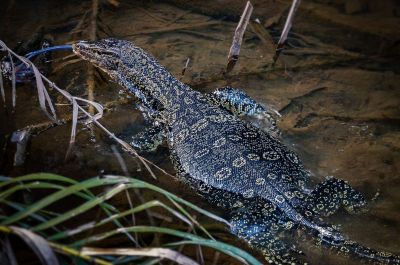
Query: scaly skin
{"type": "Point", "coordinates": [260, 183]}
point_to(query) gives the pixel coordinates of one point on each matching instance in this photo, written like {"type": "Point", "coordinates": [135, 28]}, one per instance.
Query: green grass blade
{"type": "Point", "coordinates": [37, 176]}
{"type": "Point", "coordinates": [137, 209]}
{"type": "Point", "coordinates": [33, 185]}
{"type": "Point", "coordinates": [87, 184]}
{"type": "Point", "coordinates": [142, 184]}
{"type": "Point", "coordinates": [21, 207]}
{"type": "Point", "coordinates": [82, 208]}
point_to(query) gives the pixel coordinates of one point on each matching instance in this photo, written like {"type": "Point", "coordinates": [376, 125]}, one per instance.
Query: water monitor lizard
{"type": "Point", "coordinates": [260, 183]}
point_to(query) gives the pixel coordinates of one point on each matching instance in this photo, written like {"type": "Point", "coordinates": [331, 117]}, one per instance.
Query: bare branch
{"type": "Point", "coordinates": [238, 36]}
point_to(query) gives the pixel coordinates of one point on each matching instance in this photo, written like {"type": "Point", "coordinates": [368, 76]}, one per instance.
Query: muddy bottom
{"type": "Point", "coordinates": [336, 86]}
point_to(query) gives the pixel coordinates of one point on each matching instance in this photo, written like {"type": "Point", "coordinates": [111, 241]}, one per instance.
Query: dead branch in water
{"type": "Point", "coordinates": [286, 29]}
{"type": "Point", "coordinates": [238, 36]}
{"type": "Point", "coordinates": [92, 36]}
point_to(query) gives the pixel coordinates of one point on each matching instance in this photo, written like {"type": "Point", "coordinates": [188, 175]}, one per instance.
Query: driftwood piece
{"type": "Point", "coordinates": [234, 51]}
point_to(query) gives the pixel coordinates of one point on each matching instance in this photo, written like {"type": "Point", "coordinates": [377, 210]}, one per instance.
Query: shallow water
{"type": "Point", "coordinates": [337, 88]}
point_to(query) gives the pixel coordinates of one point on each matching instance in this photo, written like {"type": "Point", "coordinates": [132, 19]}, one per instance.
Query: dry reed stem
{"type": "Point", "coordinates": [163, 253]}
{"type": "Point", "coordinates": [3, 95]}
{"type": "Point", "coordinates": [13, 82]}
{"type": "Point", "coordinates": [234, 51]}
{"type": "Point", "coordinates": [286, 29]}
{"type": "Point", "coordinates": [186, 66]}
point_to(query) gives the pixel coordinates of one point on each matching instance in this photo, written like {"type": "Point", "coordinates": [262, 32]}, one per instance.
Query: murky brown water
{"type": "Point", "coordinates": [337, 87]}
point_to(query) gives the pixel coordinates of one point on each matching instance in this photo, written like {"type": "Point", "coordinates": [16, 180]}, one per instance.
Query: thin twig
{"type": "Point", "coordinates": [3, 95]}
{"type": "Point", "coordinates": [238, 37]}
{"type": "Point", "coordinates": [178, 18]}
{"type": "Point", "coordinates": [173, 28]}
{"type": "Point", "coordinates": [160, 19]}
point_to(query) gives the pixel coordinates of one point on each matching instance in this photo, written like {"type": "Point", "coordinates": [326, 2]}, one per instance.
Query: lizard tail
{"type": "Point", "coordinates": [348, 247]}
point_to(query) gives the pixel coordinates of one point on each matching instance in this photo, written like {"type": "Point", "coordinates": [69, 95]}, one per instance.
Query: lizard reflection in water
{"type": "Point", "coordinates": [259, 182]}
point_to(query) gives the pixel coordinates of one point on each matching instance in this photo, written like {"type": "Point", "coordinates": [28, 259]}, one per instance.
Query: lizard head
{"type": "Point", "coordinates": [105, 54]}
{"type": "Point", "coordinates": [130, 66]}
{"type": "Point", "coordinates": [126, 63]}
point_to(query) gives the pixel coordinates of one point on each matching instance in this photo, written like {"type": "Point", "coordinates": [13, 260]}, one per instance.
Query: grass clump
{"type": "Point", "coordinates": [67, 234]}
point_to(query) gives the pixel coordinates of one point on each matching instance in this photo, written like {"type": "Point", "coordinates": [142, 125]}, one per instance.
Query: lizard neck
{"type": "Point", "coordinates": [152, 84]}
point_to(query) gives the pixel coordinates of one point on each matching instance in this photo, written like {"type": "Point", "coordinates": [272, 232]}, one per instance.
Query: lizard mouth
{"type": "Point", "coordinates": [81, 49]}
